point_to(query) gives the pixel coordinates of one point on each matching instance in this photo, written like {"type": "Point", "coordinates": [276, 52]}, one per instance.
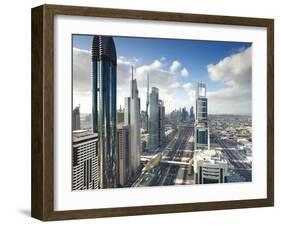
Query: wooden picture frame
{"type": "Point", "coordinates": [42, 203]}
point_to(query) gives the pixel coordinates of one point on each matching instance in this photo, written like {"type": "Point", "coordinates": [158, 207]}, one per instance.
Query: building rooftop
{"type": "Point", "coordinates": [209, 156]}
{"type": "Point", "coordinates": [80, 135]}
{"type": "Point", "coordinates": [122, 125]}
{"type": "Point", "coordinates": [103, 48]}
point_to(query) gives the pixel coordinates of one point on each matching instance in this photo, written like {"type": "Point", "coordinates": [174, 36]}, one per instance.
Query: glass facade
{"type": "Point", "coordinates": [104, 107]}
{"type": "Point", "coordinates": [153, 120]}
{"type": "Point", "coordinates": [201, 109]}
{"type": "Point", "coordinates": [201, 124]}
{"type": "Point", "coordinates": [202, 136]}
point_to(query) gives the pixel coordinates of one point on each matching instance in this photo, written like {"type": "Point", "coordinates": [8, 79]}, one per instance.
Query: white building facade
{"type": "Point", "coordinates": [85, 162]}
{"type": "Point", "coordinates": [209, 167]}
{"type": "Point", "coordinates": [123, 148]}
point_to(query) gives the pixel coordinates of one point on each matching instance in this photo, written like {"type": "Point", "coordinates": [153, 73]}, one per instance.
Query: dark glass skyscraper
{"type": "Point", "coordinates": [104, 107]}
{"type": "Point", "coordinates": [154, 120]}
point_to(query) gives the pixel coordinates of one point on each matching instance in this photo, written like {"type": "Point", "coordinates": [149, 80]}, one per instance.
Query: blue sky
{"type": "Point", "coordinates": [193, 55]}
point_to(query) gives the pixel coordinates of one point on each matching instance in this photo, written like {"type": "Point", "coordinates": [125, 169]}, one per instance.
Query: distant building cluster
{"type": "Point", "coordinates": [235, 129]}
{"type": "Point", "coordinates": [182, 115]}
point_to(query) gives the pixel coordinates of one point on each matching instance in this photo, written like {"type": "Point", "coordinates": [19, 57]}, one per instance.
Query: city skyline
{"type": "Point", "coordinates": [121, 145]}
{"type": "Point", "coordinates": [224, 66]}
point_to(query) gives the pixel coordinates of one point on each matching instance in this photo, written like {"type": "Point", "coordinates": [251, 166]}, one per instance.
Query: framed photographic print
{"type": "Point", "coordinates": [141, 112]}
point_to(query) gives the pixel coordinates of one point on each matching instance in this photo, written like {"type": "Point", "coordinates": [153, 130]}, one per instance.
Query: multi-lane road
{"type": "Point", "coordinates": [178, 149]}
{"type": "Point", "coordinates": [234, 157]}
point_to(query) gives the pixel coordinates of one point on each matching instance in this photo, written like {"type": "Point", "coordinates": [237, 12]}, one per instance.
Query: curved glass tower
{"type": "Point", "coordinates": [104, 107]}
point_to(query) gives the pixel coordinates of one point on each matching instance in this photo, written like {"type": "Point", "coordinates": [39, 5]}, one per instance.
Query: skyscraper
{"type": "Point", "coordinates": [76, 118]}
{"type": "Point", "coordinates": [202, 140]}
{"type": "Point", "coordinates": [184, 114]}
{"type": "Point", "coordinates": [147, 103]}
{"type": "Point", "coordinates": [153, 129]}
{"type": "Point", "coordinates": [127, 111]}
{"type": "Point", "coordinates": [123, 147]}
{"type": "Point", "coordinates": [191, 113]}
{"type": "Point", "coordinates": [120, 115]}
{"type": "Point", "coordinates": [85, 162]}
{"type": "Point", "coordinates": [132, 118]}
{"type": "Point", "coordinates": [144, 122]}
{"type": "Point", "coordinates": [161, 123]}
{"type": "Point", "coordinates": [201, 103]}
{"type": "Point", "coordinates": [104, 107]}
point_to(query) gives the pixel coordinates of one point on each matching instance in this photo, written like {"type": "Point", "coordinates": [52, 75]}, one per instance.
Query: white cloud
{"type": "Point", "coordinates": [190, 91]}
{"type": "Point", "coordinates": [161, 78]}
{"type": "Point", "coordinates": [175, 66]}
{"type": "Point", "coordinates": [184, 72]}
{"type": "Point", "coordinates": [188, 86]}
{"type": "Point", "coordinates": [236, 68]}
{"type": "Point", "coordinates": [82, 79]}
{"type": "Point", "coordinates": [171, 91]}
{"type": "Point", "coordinates": [235, 71]}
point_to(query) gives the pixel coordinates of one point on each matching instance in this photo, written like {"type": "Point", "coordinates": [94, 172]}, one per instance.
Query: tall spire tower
{"type": "Point", "coordinates": [147, 101]}
{"type": "Point", "coordinates": [132, 119]}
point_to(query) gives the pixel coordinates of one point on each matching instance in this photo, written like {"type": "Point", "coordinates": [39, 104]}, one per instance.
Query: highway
{"type": "Point", "coordinates": [234, 157]}
{"type": "Point", "coordinates": [176, 150]}
{"type": "Point", "coordinates": [180, 148]}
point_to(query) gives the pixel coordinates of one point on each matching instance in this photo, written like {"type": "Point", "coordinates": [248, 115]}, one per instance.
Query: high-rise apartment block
{"type": "Point", "coordinates": [123, 147]}
{"type": "Point", "coordinates": [85, 162]}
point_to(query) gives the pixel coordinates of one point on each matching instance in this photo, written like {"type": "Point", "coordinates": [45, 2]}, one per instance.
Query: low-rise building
{"type": "Point", "coordinates": [209, 167]}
